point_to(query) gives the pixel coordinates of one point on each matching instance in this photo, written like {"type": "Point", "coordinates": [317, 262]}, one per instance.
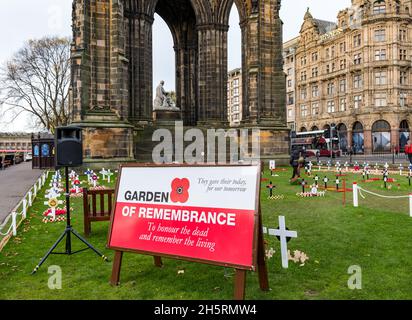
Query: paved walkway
{"type": "Point", "coordinates": [15, 181]}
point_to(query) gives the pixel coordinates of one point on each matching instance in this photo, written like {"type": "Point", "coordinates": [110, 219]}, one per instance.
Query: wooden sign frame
{"type": "Point", "coordinates": [258, 249]}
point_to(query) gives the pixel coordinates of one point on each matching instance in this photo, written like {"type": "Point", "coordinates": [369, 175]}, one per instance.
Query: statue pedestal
{"type": "Point", "coordinates": [166, 117]}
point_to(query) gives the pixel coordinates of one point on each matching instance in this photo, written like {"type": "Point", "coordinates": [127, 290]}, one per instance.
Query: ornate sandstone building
{"type": "Point", "coordinates": [356, 75]}
{"type": "Point", "coordinates": [112, 83]}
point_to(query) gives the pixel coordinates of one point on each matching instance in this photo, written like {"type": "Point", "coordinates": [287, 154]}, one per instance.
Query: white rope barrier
{"type": "Point", "coordinates": [357, 190]}
{"type": "Point", "coordinates": [25, 204]}
{"type": "Point", "coordinates": [382, 196]}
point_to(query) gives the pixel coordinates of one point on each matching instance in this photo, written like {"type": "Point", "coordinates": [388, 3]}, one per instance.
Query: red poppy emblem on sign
{"type": "Point", "coordinates": [180, 190]}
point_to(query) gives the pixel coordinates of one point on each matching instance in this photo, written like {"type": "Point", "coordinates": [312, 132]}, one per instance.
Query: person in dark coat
{"type": "Point", "coordinates": [294, 162]}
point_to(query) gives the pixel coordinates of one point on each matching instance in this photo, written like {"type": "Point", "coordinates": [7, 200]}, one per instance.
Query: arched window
{"type": "Point", "coordinates": [303, 129]}
{"type": "Point", "coordinates": [381, 137]}
{"type": "Point", "coordinates": [315, 128]}
{"type": "Point", "coordinates": [358, 138]}
{"type": "Point", "coordinates": [381, 126]}
{"type": "Point", "coordinates": [404, 134]}
{"type": "Point", "coordinates": [379, 7]}
{"type": "Point", "coordinates": [234, 53]}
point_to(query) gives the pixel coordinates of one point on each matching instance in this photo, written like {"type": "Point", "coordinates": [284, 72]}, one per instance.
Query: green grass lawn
{"type": "Point", "coordinates": [375, 237]}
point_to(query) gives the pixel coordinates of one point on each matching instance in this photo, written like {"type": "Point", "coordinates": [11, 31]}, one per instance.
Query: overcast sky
{"type": "Point", "coordinates": [21, 20]}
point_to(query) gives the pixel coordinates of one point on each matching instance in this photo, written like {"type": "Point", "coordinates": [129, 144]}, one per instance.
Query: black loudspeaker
{"type": "Point", "coordinates": [69, 147]}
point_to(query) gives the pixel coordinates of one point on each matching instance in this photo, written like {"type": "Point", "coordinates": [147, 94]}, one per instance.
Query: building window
{"type": "Point", "coordinates": [315, 72]}
{"type": "Point", "coordinates": [379, 7]}
{"type": "Point", "coordinates": [331, 88]}
{"type": "Point", "coordinates": [343, 64]}
{"type": "Point", "coordinates": [403, 78]}
{"type": "Point", "coordinates": [236, 83]}
{"type": "Point", "coordinates": [357, 58]}
{"type": "Point", "coordinates": [342, 47]}
{"type": "Point", "coordinates": [357, 81]}
{"type": "Point", "coordinates": [289, 71]}
{"type": "Point", "coordinates": [357, 101]}
{"type": "Point", "coordinates": [304, 110]}
{"type": "Point", "coordinates": [380, 78]}
{"type": "Point", "coordinates": [303, 76]}
{"type": "Point", "coordinates": [303, 61]}
{"type": "Point", "coordinates": [327, 53]}
{"type": "Point", "coordinates": [403, 96]}
{"type": "Point", "coordinates": [314, 57]}
{"type": "Point", "coordinates": [289, 83]}
{"type": "Point", "coordinates": [342, 85]}
{"type": "Point", "coordinates": [315, 109]}
{"type": "Point", "coordinates": [403, 35]}
{"type": "Point", "coordinates": [380, 35]}
{"type": "Point", "coordinates": [290, 113]}
{"type": "Point", "coordinates": [380, 100]}
{"type": "Point", "coordinates": [315, 91]}
{"type": "Point", "coordinates": [303, 94]}
{"type": "Point", "coordinates": [331, 106]}
{"type": "Point", "coordinates": [402, 54]}
{"type": "Point", "coordinates": [342, 105]}
{"type": "Point", "coordinates": [380, 54]}
{"type": "Point", "coordinates": [327, 69]}
{"type": "Point", "coordinates": [291, 98]}
{"type": "Point", "coordinates": [357, 40]}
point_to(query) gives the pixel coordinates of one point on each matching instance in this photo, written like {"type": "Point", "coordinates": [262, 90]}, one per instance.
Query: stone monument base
{"type": "Point", "coordinates": [166, 117]}
{"type": "Point", "coordinates": [107, 141]}
{"type": "Point", "coordinates": [274, 142]}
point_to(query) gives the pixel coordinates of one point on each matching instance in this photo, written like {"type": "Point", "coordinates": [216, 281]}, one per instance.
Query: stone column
{"type": "Point", "coordinates": [350, 138]}
{"type": "Point", "coordinates": [267, 87]}
{"type": "Point", "coordinates": [119, 64]}
{"type": "Point", "coordinates": [212, 71]}
{"type": "Point", "coordinates": [139, 55]}
{"type": "Point", "coordinates": [186, 84]}
{"type": "Point", "coordinates": [368, 145]}
{"type": "Point", "coordinates": [395, 138]}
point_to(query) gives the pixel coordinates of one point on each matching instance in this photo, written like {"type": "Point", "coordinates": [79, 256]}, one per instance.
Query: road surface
{"type": "Point", "coordinates": [15, 181]}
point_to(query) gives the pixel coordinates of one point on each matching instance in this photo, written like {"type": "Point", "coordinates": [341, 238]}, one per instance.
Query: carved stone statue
{"type": "Point", "coordinates": [163, 102]}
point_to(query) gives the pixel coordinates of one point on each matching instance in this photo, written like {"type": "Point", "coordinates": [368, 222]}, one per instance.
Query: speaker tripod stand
{"type": "Point", "coordinates": [68, 233]}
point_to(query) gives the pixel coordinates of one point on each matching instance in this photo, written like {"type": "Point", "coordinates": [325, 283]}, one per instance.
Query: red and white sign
{"type": "Point", "coordinates": [207, 214]}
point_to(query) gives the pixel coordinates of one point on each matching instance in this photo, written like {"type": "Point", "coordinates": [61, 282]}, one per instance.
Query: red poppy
{"type": "Point", "coordinates": [180, 190]}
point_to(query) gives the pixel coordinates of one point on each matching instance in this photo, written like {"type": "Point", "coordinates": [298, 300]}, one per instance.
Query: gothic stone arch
{"type": "Point", "coordinates": [112, 77]}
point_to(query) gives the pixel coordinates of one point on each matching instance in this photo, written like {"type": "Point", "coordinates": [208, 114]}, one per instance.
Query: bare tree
{"type": "Point", "coordinates": [36, 81]}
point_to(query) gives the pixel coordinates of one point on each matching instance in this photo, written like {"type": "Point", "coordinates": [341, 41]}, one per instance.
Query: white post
{"type": "Point", "coordinates": [355, 195]}
{"type": "Point", "coordinates": [410, 205]}
{"type": "Point", "coordinates": [24, 208]}
{"type": "Point", "coordinates": [35, 191]}
{"type": "Point", "coordinates": [30, 199]}
{"type": "Point", "coordinates": [14, 223]}
{"type": "Point", "coordinates": [39, 183]}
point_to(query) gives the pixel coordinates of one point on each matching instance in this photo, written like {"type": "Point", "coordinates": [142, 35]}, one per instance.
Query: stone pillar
{"type": "Point", "coordinates": [395, 138]}
{"type": "Point", "coordinates": [186, 64]}
{"type": "Point", "coordinates": [212, 71]}
{"type": "Point", "coordinates": [99, 82]}
{"type": "Point", "coordinates": [119, 64]}
{"type": "Point", "coordinates": [266, 79]}
{"type": "Point", "coordinates": [139, 54]}
{"type": "Point", "coordinates": [350, 138]}
{"type": "Point", "coordinates": [368, 145]}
